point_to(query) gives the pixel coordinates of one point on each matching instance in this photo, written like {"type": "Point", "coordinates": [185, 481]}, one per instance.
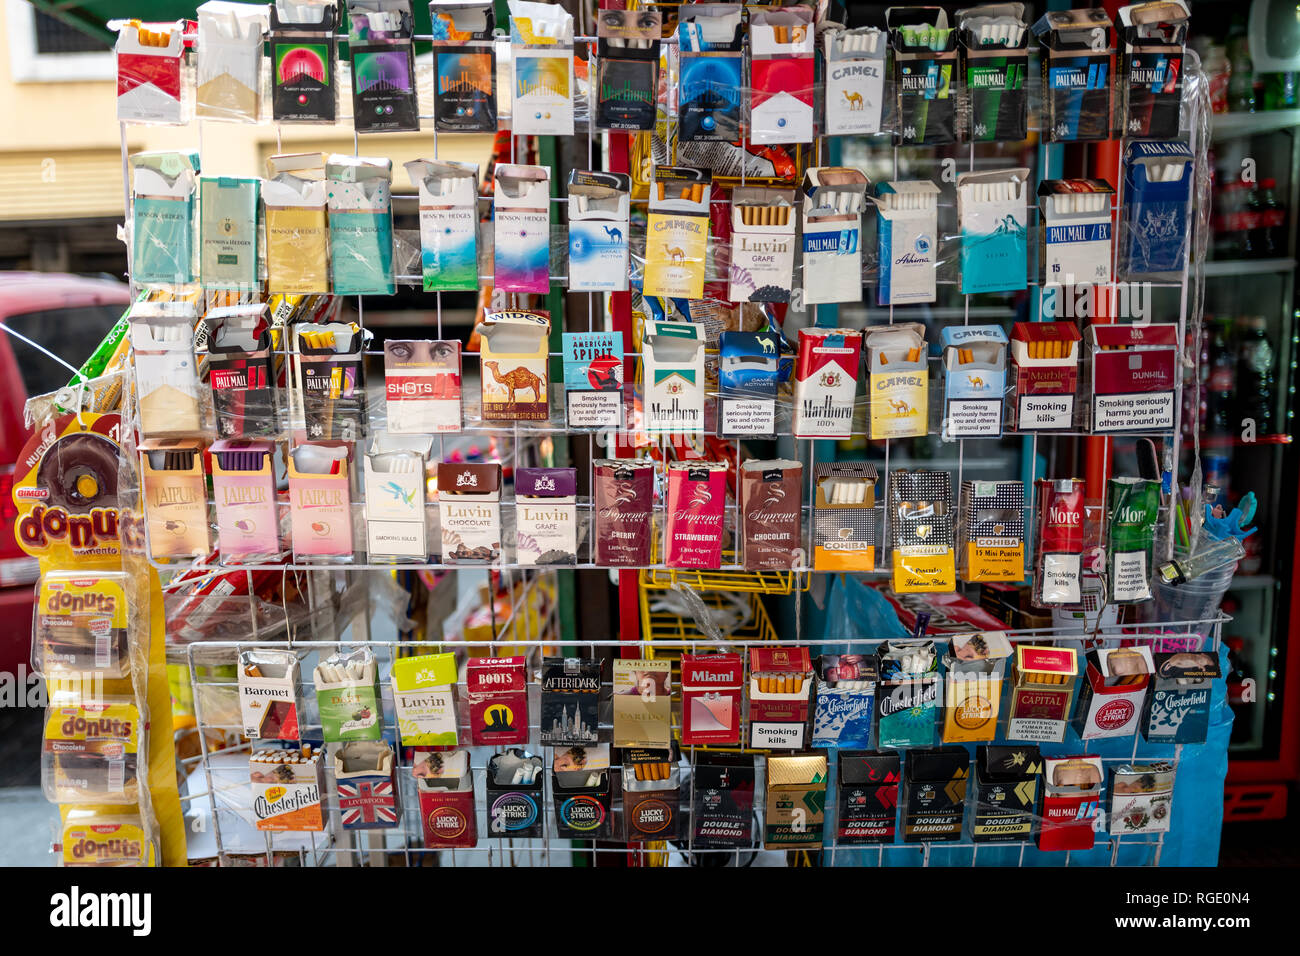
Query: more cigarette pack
{"type": "Point", "coordinates": [1134, 377]}
{"type": "Point", "coordinates": [448, 193]}
{"type": "Point", "coordinates": [898, 381]}
{"type": "Point", "coordinates": [762, 244]}
{"type": "Point", "coordinates": [925, 75]}
{"type": "Point", "coordinates": [1041, 693]}
{"type": "Point", "coordinates": [868, 797]}
{"type": "Point", "coordinates": [1074, 241]}
{"type": "Point", "coordinates": [598, 231]}
{"type": "Point", "coordinates": [497, 691]}
{"type": "Point", "coordinates": [395, 482]}
{"type": "Point", "coordinates": [546, 519]}
{"type": "Point", "coordinates": [515, 364]}
{"type": "Point", "coordinates": [1077, 60]}
{"type": "Point", "coordinates": [521, 214]}
{"type": "Point", "coordinates": [1140, 798]}
{"type": "Point", "coordinates": [515, 794]}
{"type": "Point", "coordinates": [974, 381]}
{"type": "Point", "coordinates": [780, 683]}
{"type": "Point", "coordinates": [320, 507]}
{"type": "Point", "coordinates": [923, 550]}
{"type": "Point", "coordinates": [642, 703]}
{"type": "Point", "coordinates": [541, 66]}
{"type": "Point", "coordinates": [571, 692]}
{"type": "Point", "coordinates": [1151, 36]}
{"type": "Point", "coordinates": [651, 795]}
{"type": "Point", "coordinates": [834, 198]}
{"type": "Point", "coordinates": [991, 533]}
{"type": "Point", "coordinates": [1072, 788]}
{"type": "Point", "coordinates": [365, 774]}
{"type": "Point", "coordinates": [855, 80]}
{"type": "Point", "coordinates": [1058, 570]}
{"type": "Point", "coordinates": [1178, 707]}
{"type": "Point", "coordinates": [1112, 696]}
{"type": "Point", "coordinates": [580, 787]}
{"type": "Point", "coordinates": [268, 694]}
{"type": "Point", "coordinates": [934, 794]}
{"type": "Point", "coordinates": [1006, 789]}
{"type": "Point", "coordinates": [796, 801]}
{"type": "Point", "coordinates": [175, 497]}
{"type": "Point", "coordinates": [593, 379]}
{"type": "Point", "coordinates": [673, 368]}
{"type": "Point", "coordinates": [1132, 510]}
{"type": "Point", "coordinates": [677, 230]}
{"type": "Point", "coordinates": [712, 698]}
{"type": "Point", "coordinates": [287, 789]}
{"type": "Point", "coordinates": [748, 370]}
{"type": "Point", "coordinates": [846, 700]}
{"type": "Point", "coordinates": [782, 54]}
{"type": "Point", "coordinates": [844, 516]}
{"type": "Point", "coordinates": [907, 241]}
{"type": "Point", "coordinates": [973, 675]}
{"type": "Point", "coordinates": [826, 382]}
{"type": "Point", "coordinates": [907, 695]}
{"type": "Point", "coordinates": [423, 700]}
{"type": "Point", "coordinates": [994, 51]}
{"type": "Point", "coordinates": [1045, 370]}
{"type": "Point", "coordinates": [444, 784]}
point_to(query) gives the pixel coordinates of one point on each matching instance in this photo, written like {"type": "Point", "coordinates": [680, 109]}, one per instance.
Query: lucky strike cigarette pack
{"type": "Point", "coordinates": [1045, 371]}
{"type": "Point", "coordinates": [1133, 377]}
{"type": "Point", "coordinates": [651, 795]}
{"type": "Point", "coordinates": [580, 784]}
{"type": "Point", "coordinates": [514, 794]}
{"type": "Point", "coordinates": [826, 382]}
{"type": "Point", "coordinates": [974, 380]}
{"type": "Point", "coordinates": [1042, 691]}
{"type": "Point", "coordinates": [1111, 699]}
{"type": "Point", "coordinates": [844, 516]}
{"type": "Point", "coordinates": [444, 784]}
{"type": "Point", "coordinates": [780, 684]}
{"type": "Point", "coordinates": [1072, 790]}
{"type": "Point", "coordinates": [974, 670]}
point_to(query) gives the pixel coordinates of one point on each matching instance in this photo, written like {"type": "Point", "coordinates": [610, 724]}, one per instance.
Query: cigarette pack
{"type": "Point", "coordinates": [796, 801]}
{"type": "Point", "coordinates": [1058, 577]}
{"type": "Point", "coordinates": [361, 225]}
{"type": "Point", "coordinates": [347, 693]}
{"type": "Point", "coordinates": [723, 812]}
{"type": "Point", "coordinates": [382, 52]}
{"type": "Point", "coordinates": [748, 368]}
{"type": "Point", "coordinates": [228, 254]}
{"type": "Point", "coordinates": [642, 703]}
{"type": "Point", "coordinates": [522, 236]}
{"type": "Point", "coordinates": [782, 54]}
{"type": "Point", "coordinates": [444, 784]}
{"type": "Point", "coordinates": [771, 514]}
{"type": "Point", "coordinates": [628, 64]}
{"type": "Point", "coordinates": [598, 231]}
{"type": "Point", "coordinates": [1074, 242]}
{"type": "Point", "coordinates": [651, 795]}
{"type": "Point", "coordinates": [497, 691]}
{"type": "Point", "coordinates": [855, 80]}
{"type": "Point", "coordinates": [923, 551]}
{"type": "Point", "coordinates": [1045, 368]}
{"type": "Point", "coordinates": [423, 700]}
{"type": "Point", "coordinates": [974, 670]}
{"type": "Point", "coordinates": [448, 194]}
{"type": "Point", "coordinates": [593, 379]}
{"type": "Point", "coordinates": [898, 381]}
{"type": "Point", "coordinates": [974, 382]}
{"type": "Point", "coordinates": [1151, 68]}
{"type": "Point", "coordinates": [994, 51]}
{"type": "Point", "coordinates": [834, 198]}
{"type": "Point", "coordinates": [304, 60]}
{"type": "Point", "coordinates": [395, 482]}
{"type": "Point", "coordinates": [546, 518]}
{"type": "Point", "coordinates": [695, 513]}
{"type": "Point", "coordinates": [1076, 60]}
{"type": "Point", "coordinates": [1134, 377]}
{"type": "Point", "coordinates": [1140, 798]}
{"type": "Point", "coordinates": [934, 794]}
{"type": "Point", "coordinates": [175, 497]}
{"type": "Point", "coordinates": [991, 535]}
{"type": "Point", "coordinates": [711, 86]}
{"type": "Point", "coordinates": [515, 362]}
{"type": "Point", "coordinates": [287, 789]}
{"type": "Point", "coordinates": [868, 797]}
{"type": "Point", "coordinates": [624, 496]}
{"type": "Point", "coordinates": [826, 382]}
{"type": "Point", "coordinates": [571, 693]}
{"type": "Point", "coordinates": [164, 193]}
{"type": "Point", "coordinates": [422, 382]}
{"type": "Point", "coordinates": [673, 369]}
{"type": "Point", "coordinates": [366, 776]}
{"type": "Point", "coordinates": [329, 381]}
{"type": "Point", "coordinates": [993, 212]}
{"type": "Point", "coordinates": [465, 66]}
{"type": "Point", "coordinates": [1041, 692]}
{"type": "Point", "coordinates": [907, 694]}
{"type": "Point", "coordinates": [1156, 211]}
{"type": "Point", "coordinates": [846, 700]}
{"type": "Point", "coordinates": [712, 698]}
{"type": "Point", "coordinates": [925, 75]}
{"type": "Point", "coordinates": [762, 245]}
{"type": "Point", "coordinates": [151, 82]}
{"type": "Point", "coordinates": [677, 230]}
{"type": "Point", "coordinates": [166, 378]}
{"type": "Point", "coordinates": [1071, 798]}
{"type": "Point", "coordinates": [1112, 696]}
{"type": "Point", "coordinates": [241, 370]}
{"type": "Point", "coordinates": [541, 68]}
{"type": "Point", "coordinates": [1178, 707]}
{"type": "Point", "coordinates": [268, 694]}
{"type": "Point", "coordinates": [90, 751]}
{"type": "Point", "coordinates": [243, 482]}
{"type": "Point", "coordinates": [1007, 781]}
{"type": "Point", "coordinates": [907, 242]}
{"type": "Point", "coordinates": [294, 203]}
{"type": "Point", "coordinates": [1132, 509]}
{"type": "Point", "coordinates": [780, 683]}
{"type": "Point", "coordinates": [514, 794]}
{"type": "Point", "coordinates": [580, 788]}
{"type": "Point", "coordinates": [844, 516]}
{"type": "Point", "coordinates": [320, 507]}
{"type": "Point", "coordinates": [82, 626]}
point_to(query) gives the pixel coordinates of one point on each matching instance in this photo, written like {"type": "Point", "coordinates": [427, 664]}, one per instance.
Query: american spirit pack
{"type": "Point", "coordinates": [593, 379]}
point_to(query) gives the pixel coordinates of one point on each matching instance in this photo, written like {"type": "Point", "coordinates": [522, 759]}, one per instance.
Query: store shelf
{"type": "Point", "coordinates": [1247, 267]}
{"type": "Point", "coordinates": [1235, 125]}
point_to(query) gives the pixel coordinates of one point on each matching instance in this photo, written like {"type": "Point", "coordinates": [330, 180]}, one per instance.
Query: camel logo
{"type": "Point", "coordinates": [769, 347]}
{"type": "Point", "coordinates": [977, 382]}
{"type": "Point", "coordinates": [854, 100]}
{"type": "Point", "coordinates": [900, 407]}
{"type": "Point", "coordinates": [517, 379]}
{"type": "Point", "coordinates": [676, 255]}
{"type": "Point", "coordinates": [615, 235]}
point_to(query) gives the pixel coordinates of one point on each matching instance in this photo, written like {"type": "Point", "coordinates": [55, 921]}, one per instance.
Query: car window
{"type": "Point", "coordinates": [71, 333]}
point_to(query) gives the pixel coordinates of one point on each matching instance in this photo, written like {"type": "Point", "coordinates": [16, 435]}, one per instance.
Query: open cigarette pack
{"type": "Point", "coordinates": [228, 233]}
{"type": "Point", "coordinates": [868, 796]}
{"type": "Point", "coordinates": [1041, 693]}
{"type": "Point", "coordinates": [782, 54]}
{"type": "Point", "coordinates": [855, 80]}
{"type": "Point", "coordinates": [796, 801]}
{"type": "Point", "coordinates": [1155, 217]}
{"type": "Point", "coordinates": [628, 64]}
{"type": "Point", "coordinates": [780, 684]}
{"type": "Point", "coordinates": [175, 497]}
{"type": "Point", "coordinates": [994, 51]}
{"type": "Point", "coordinates": [465, 66]}
{"type": "Point", "coordinates": [294, 203]}
{"type": "Point", "coordinates": [521, 216]}
{"type": "Point", "coordinates": [673, 375]}
{"type": "Point", "coordinates": [469, 511]}
{"type": "Point", "coordinates": [923, 528]}
{"type": "Point", "coordinates": [1074, 238]}
{"type": "Point", "coordinates": [166, 377]}
{"type": "Point", "coordinates": [925, 75]}
{"type": "Point", "coordinates": [1134, 377]}
{"type": "Point", "coordinates": [846, 700]}
{"type": "Point", "coordinates": [834, 198]}
{"type": "Point", "coordinates": [268, 694]}
{"type": "Point", "coordinates": [642, 703]}
{"type": "Point", "coordinates": [907, 695]}
{"type": "Point", "coordinates": [711, 85]}
{"type": "Point", "coordinates": [677, 231]}
{"type": "Point", "coordinates": [1112, 696]}
{"type": "Point", "coordinates": [1045, 369]}
{"type": "Point", "coordinates": [1006, 784]}
{"type": "Point", "coordinates": [993, 212]}
{"type": "Point", "coordinates": [762, 244]}
{"type": "Point", "coordinates": [898, 381]}
{"type": "Point", "coordinates": [1072, 789]}
{"type": "Point", "coordinates": [329, 372]}
{"type": "Point", "coordinates": [581, 791]}
{"type": "Point", "coordinates": [1151, 37]}
{"type": "Point", "coordinates": [991, 533]}
{"type": "Point", "coordinates": [320, 504]}
{"type": "Point", "coordinates": [974, 669]}
{"type": "Point", "coordinates": [381, 49]}
{"type": "Point", "coordinates": [304, 60]}
{"type": "Point", "coordinates": [361, 225]}
{"type": "Point", "coordinates": [651, 795]}
{"type": "Point", "coordinates": [395, 479]}
{"type": "Point", "coordinates": [449, 223]}
{"type": "Point", "coordinates": [907, 242]}
{"type": "Point", "coordinates": [444, 784]}
{"type": "Point", "coordinates": [1178, 707]}
{"type": "Point", "coordinates": [723, 811]}
{"type": "Point", "coordinates": [243, 482]}
{"type": "Point", "coordinates": [164, 202]}
{"type": "Point", "coordinates": [515, 364]}
{"type": "Point", "coordinates": [934, 794]}
{"type": "Point", "coordinates": [228, 82]}
{"type": "Point", "coordinates": [541, 66]}
{"type": "Point", "coordinates": [826, 382]}
{"type": "Point", "coordinates": [365, 774]}
{"type": "Point", "coordinates": [844, 516]}
{"type": "Point", "coordinates": [546, 519]}
{"type": "Point", "coordinates": [347, 693]}
{"type": "Point", "coordinates": [151, 75]}
{"type": "Point", "coordinates": [1077, 60]}
{"type": "Point", "coordinates": [288, 788]}
{"type": "Point", "coordinates": [974, 382]}
{"type": "Point", "coordinates": [598, 231]}
{"type": "Point", "coordinates": [1140, 798]}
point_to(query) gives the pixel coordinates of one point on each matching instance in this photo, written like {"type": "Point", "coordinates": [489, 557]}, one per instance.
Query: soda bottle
{"type": "Point", "coordinates": [1241, 85]}
{"type": "Point", "coordinates": [1219, 390]}
{"type": "Point", "coordinates": [1267, 216]}
{"type": "Point", "coordinates": [1255, 377]}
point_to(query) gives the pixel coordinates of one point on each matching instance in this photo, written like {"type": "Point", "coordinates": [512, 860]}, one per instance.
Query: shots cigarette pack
{"type": "Point", "coordinates": [677, 231]}
{"type": "Point", "coordinates": [826, 382]}
{"type": "Point", "coordinates": [304, 60]}
{"type": "Point", "coordinates": [424, 701]}
{"type": "Point", "coordinates": [1006, 789]}
{"type": "Point", "coordinates": [855, 80]}
{"type": "Point", "coordinates": [448, 194]}
{"type": "Point", "coordinates": [541, 59]}
{"type": "Point", "coordinates": [748, 369]}
{"type": "Point", "coordinates": [712, 698]}
{"type": "Point", "coordinates": [923, 550]}
{"type": "Point", "coordinates": [673, 369]}
{"type": "Point", "coordinates": [546, 518]}
{"type": "Point", "coordinates": [898, 381]}
{"type": "Point", "coordinates": [993, 213]}
{"type": "Point", "coordinates": [444, 784]}
{"type": "Point", "coordinates": [991, 534]}
{"type": "Point", "coordinates": [782, 54]}
{"type": "Point", "coordinates": [469, 509]}
{"type": "Point", "coordinates": [1178, 707]}
{"type": "Point", "coordinates": [973, 674]}
{"type": "Point", "coordinates": [925, 75]}
{"type": "Point", "coordinates": [1077, 60]}
{"type": "Point", "coordinates": [642, 703]}
{"type": "Point", "coordinates": [1140, 798]}
{"type": "Point", "coordinates": [907, 695]}
{"type": "Point", "coordinates": [1132, 510]}
{"type": "Point", "coordinates": [465, 66]}
{"type": "Point", "coordinates": [651, 795]}
{"type": "Point", "coordinates": [1157, 208]}
{"type": "Point", "coordinates": [762, 245]}
{"type": "Point", "coordinates": [1045, 372]}
{"type": "Point", "coordinates": [1074, 241]}
{"type": "Point", "coordinates": [771, 514]}
{"type": "Point", "coordinates": [522, 218]}
{"type": "Point", "coordinates": [243, 481]}
{"type": "Point", "coordinates": [907, 242]}
{"type": "Point", "coordinates": [1041, 693]}
{"type": "Point", "coordinates": [515, 364]}
{"type": "Point", "coordinates": [1072, 789]}
{"type": "Point", "coordinates": [268, 694]}
{"type": "Point", "coordinates": [796, 802]}
{"type": "Point", "coordinates": [711, 88]}
{"type": "Point", "coordinates": [695, 514]}
{"type": "Point", "coordinates": [780, 683]}
{"type": "Point", "coordinates": [515, 787]}
{"type": "Point", "coordinates": [834, 198]}
{"type": "Point", "coordinates": [868, 797]}
{"type": "Point", "coordinates": [1115, 689]}
{"type": "Point", "coordinates": [166, 376]}
{"type": "Point", "coordinates": [974, 380]}
{"type": "Point", "coordinates": [846, 700]}
{"type": "Point", "coordinates": [1151, 37]}
{"type": "Point", "coordinates": [844, 516]}
{"type": "Point", "coordinates": [994, 50]}
{"type": "Point", "coordinates": [1134, 377]}
{"type": "Point", "coordinates": [347, 693]}
{"type": "Point", "coordinates": [175, 497]}
{"type": "Point", "coordinates": [287, 789]}
{"type": "Point", "coordinates": [366, 776]}
{"type": "Point", "coordinates": [580, 786]}
{"type": "Point", "coordinates": [571, 692]}
{"type": "Point", "coordinates": [934, 794]}
{"type": "Point", "coordinates": [598, 231]}
{"type": "Point", "coordinates": [1058, 571]}
{"type": "Point", "coordinates": [81, 626]}
{"type": "Point", "coordinates": [395, 483]}
{"type": "Point", "coordinates": [723, 812]}
{"type": "Point", "coordinates": [320, 507]}
{"type": "Point", "coordinates": [628, 68]}
{"type": "Point", "coordinates": [593, 379]}
{"type": "Point", "coordinates": [497, 691]}
{"type": "Point", "coordinates": [623, 496]}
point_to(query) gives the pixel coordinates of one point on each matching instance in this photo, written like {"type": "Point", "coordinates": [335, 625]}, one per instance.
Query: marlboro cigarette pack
{"type": "Point", "coordinates": [846, 700]}
{"type": "Point", "coordinates": [1077, 58]}
{"type": "Point", "coordinates": [522, 219]}
{"type": "Point", "coordinates": [571, 691]}
{"type": "Point", "coordinates": [898, 381]}
{"type": "Point", "coordinates": [907, 242]}
{"type": "Point", "coordinates": [1045, 369]}
{"type": "Point", "coordinates": [580, 785]}
{"type": "Point", "coordinates": [651, 795]}
{"type": "Point", "coordinates": [1140, 798]}
{"type": "Point", "coordinates": [711, 89]}
{"type": "Point", "coordinates": [1178, 707]}
{"type": "Point", "coordinates": [762, 244]}
{"type": "Point", "coordinates": [497, 691]}
{"type": "Point", "coordinates": [1134, 371]}
{"type": "Point", "coordinates": [796, 801]}
{"type": "Point", "coordinates": [469, 509]}
{"type": "Point", "coordinates": [677, 231]}
{"type": "Point", "coordinates": [1132, 509]}
{"type": "Point", "coordinates": [514, 794]}
{"type": "Point", "coordinates": [825, 382]}
{"type": "Point", "coordinates": [628, 65]}
{"type": "Point", "coordinates": [994, 51]}
{"type": "Point", "coordinates": [541, 66]}
{"type": "Point", "coordinates": [991, 535]}
{"type": "Point", "coordinates": [82, 626]}
{"type": "Point", "coordinates": [329, 381]}
{"type": "Point", "coordinates": [395, 482]}
{"type": "Point", "coordinates": [465, 66]}
{"type": "Point", "coordinates": [723, 812]}
{"type": "Point", "coordinates": [546, 520]}
{"type": "Point", "coordinates": [1006, 789]}
{"type": "Point", "coordinates": [993, 212]}
{"type": "Point", "coordinates": [1074, 242]}
{"type": "Point", "coordinates": [1151, 68]}
{"type": "Point", "coordinates": [907, 696]}
{"type": "Point", "coordinates": [780, 683]}
{"type": "Point", "coordinates": [423, 700]}
{"type": "Point", "coordinates": [320, 507]}
{"type": "Point", "coordinates": [748, 368]}
{"type": "Point", "coordinates": [1111, 699]}
{"type": "Point", "coordinates": [868, 796]}
{"type": "Point", "coordinates": [642, 703]}
{"type": "Point", "coordinates": [444, 784]}
{"type": "Point", "coordinates": [448, 194]}
{"type": "Point", "coordinates": [593, 379]}
{"type": "Point", "coordinates": [712, 695]}
{"type": "Point", "coordinates": [974, 669]}
{"type": "Point", "coordinates": [834, 198]}
{"type": "Point", "coordinates": [974, 380]}
{"type": "Point", "coordinates": [515, 364]}
{"type": "Point", "coordinates": [382, 53]}
{"type": "Point", "coordinates": [782, 53]}
{"type": "Point", "coordinates": [673, 369]}
{"type": "Point", "coordinates": [925, 75]}
{"type": "Point", "coordinates": [304, 60]}
{"type": "Point", "coordinates": [151, 73]}
{"type": "Point", "coordinates": [1157, 204]}
{"type": "Point", "coordinates": [1072, 788]}
{"type": "Point", "coordinates": [287, 789]}
{"type": "Point", "coordinates": [598, 231]}
{"type": "Point", "coordinates": [365, 774]}
{"type": "Point", "coordinates": [934, 794]}
{"type": "Point", "coordinates": [844, 516]}
{"type": "Point", "coordinates": [1043, 686]}
{"type": "Point", "coordinates": [175, 497]}
{"type": "Point", "coordinates": [855, 80]}
{"type": "Point", "coordinates": [923, 551]}
{"type": "Point", "coordinates": [1058, 572]}
{"type": "Point", "coordinates": [268, 694]}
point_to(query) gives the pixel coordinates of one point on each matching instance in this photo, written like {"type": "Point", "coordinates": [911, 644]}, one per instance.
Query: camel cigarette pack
{"type": "Point", "coordinates": [1075, 238]}
{"type": "Point", "coordinates": [974, 380]}
{"type": "Point", "coordinates": [991, 534]}
{"type": "Point", "coordinates": [580, 785]}
{"type": "Point", "coordinates": [1072, 789]}
{"type": "Point", "coordinates": [993, 212]}
{"type": "Point", "coordinates": [868, 797]}
{"type": "Point", "coordinates": [782, 55]}
{"type": "Point", "coordinates": [834, 198]}
{"type": "Point", "coordinates": [598, 231]}
{"type": "Point", "coordinates": [268, 694]}
{"type": "Point", "coordinates": [844, 516]}
{"type": "Point", "coordinates": [1112, 696]}
{"type": "Point", "coordinates": [571, 688]}
{"type": "Point", "coordinates": [1178, 707]}
{"type": "Point", "coordinates": [287, 790]}
{"type": "Point", "coordinates": [1006, 784]}
{"type": "Point", "coordinates": [469, 509]}
{"type": "Point", "coordinates": [1157, 194]}
{"type": "Point", "coordinates": [541, 67]}
{"type": "Point", "coordinates": [994, 67]}
{"type": "Point", "coordinates": [762, 245]}
{"type": "Point", "coordinates": [1151, 36]}
{"type": "Point", "coordinates": [1045, 371]}
{"type": "Point", "coordinates": [796, 802]}
{"type": "Point", "coordinates": [522, 238]}
{"type": "Point", "coordinates": [444, 784]}
{"type": "Point", "coordinates": [1076, 61]}
{"type": "Point", "coordinates": [712, 698]}
{"type": "Point", "coordinates": [925, 75]}
{"type": "Point", "coordinates": [320, 506]}
{"type": "Point", "coordinates": [642, 703]}
{"type": "Point", "coordinates": [934, 794]}
{"type": "Point", "coordinates": [673, 366]}
{"type": "Point", "coordinates": [1041, 693]}
{"type": "Point", "coordinates": [1140, 798]}
{"type": "Point", "coordinates": [422, 383]}
{"type": "Point", "coordinates": [366, 777]}
{"type": "Point", "coordinates": [748, 364]}
{"type": "Point", "coordinates": [628, 65]}
{"type": "Point", "coordinates": [711, 89]}
{"type": "Point", "coordinates": [651, 795]}
{"type": "Point", "coordinates": [677, 232]}
{"type": "Point", "coordinates": [898, 381]}
{"type": "Point", "coordinates": [175, 497]}
{"type": "Point", "coordinates": [780, 684]}
{"type": "Point", "coordinates": [1134, 377]}
{"type": "Point", "coordinates": [855, 81]}
{"type": "Point", "coordinates": [465, 66]}
{"type": "Point", "coordinates": [514, 364]}
{"type": "Point", "coordinates": [723, 812]}
{"type": "Point", "coordinates": [514, 794]}
{"type": "Point", "coordinates": [546, 519]}
{"type": "Point", "coordinates": [382, 52]}
{"type": "Point", "coordinates": [448, 193]}
{"type": "Point", "coordinates": [304, 60]}
{"type": "Point", "coordinates": [846, 700]}
{"type": "Point", "coordinates": [973, 673]}
{"type": "Point", "coordinates": [423, 700]}
{"type": "Point", "coordinates": [593, 379]}
{"type": "Point", "coordinates": [395, 483]}
{"type": "Point", "coordinates": [497, 691]}
{"type": "Point", "coordinates": [826, 382]}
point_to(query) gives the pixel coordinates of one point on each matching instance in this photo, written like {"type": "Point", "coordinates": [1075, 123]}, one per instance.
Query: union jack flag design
{"type": "Point", "coordinates": [367, 803]}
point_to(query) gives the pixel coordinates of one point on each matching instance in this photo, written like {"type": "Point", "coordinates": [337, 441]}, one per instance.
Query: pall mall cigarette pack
{"type": "Point", "coordinates": [1151, 36]}
{"type": "Point", "coordinates": [677, 232]}
{"type": "Point", "coordinates": [782, 54]}
{"type": "Point", "coordinates": [1112, 696]}
{"type": "Point", "coordinates": [1006, 789]}
{"type": "Point", "coordinates": [515, 364]}
{"type": "Point", "coordinates": [991, 534]}
{"type": "Point", "coordinates": [1077, 61]}
{"type": "Point", "coordinates": [868, 796]}
{"type": "Point", "coordinates": [973, 673]}
{"type": "Point", "coordinates": [796, 802]}
{"type": "Point", "coordinates": [424, 701]}
{"type": "Point", "coordinates": [780, 684]}
{"type": "Point", "coordinates": [1074, 240]}
{"type": "Point", "coordinates": [1178, 707]}
{"type": "Point", "coordinates": [925, 75]}
{"type": "Point", "coordinates": [712, 697]}
{"type": "Point", "coordinates": [449, 224]}
{"type": "Point", "coordinates": [994, 52]}
{"type": "Point", "coordinates": [1045, 371]}
{"type": "Point", "coordinates": [844, 516]}
{"type": "Point", "coordinates": [673, 368]}
{"type": "Point", "coordinates": [1072, 789]}
{"type": "Point", "coordinates": [762, 244]}
{"type": "Point", "coordinates": [497, 691]}
{"type": "Point", "coordinates": [287, 789]}
{"type": "Point", "coordinates": [642, 703]}
{"type": "Point", "coordinates": [1140, 798]}
{"type": "Point", "coordinates": [934, 794]}
{"type": "Point", "coordinates": [855, 80]}
{"type": "Point", "coordinates": [1134, 377]}
{"type": "Point", "coordinates": [974, 381]}
{"type": "Point", "coordinates": [598, 231]}
{"type": "Point", "coordinates": [541, 66]}
{"type": "Point", "coordinates": [748, 370]}
{"type": "Point", "coordinates": [834, 198]}
{"type": "Point", "coordinates": [1041, 693]}
{"type": "Point", "coordinates": [1157, 208]}
{"type": "Point", "coordinates": [522, 218]}
{"type": "Point", "coordinates": [898, 381]}
{"type": "Point", "coordinates": [268, 694]}
{"type": "Point", "coordinates": [593, 379]}
{"type": "Point", "coordinates": [826, 382]}
{"type": "Point", "coordinates": [469, 512]}
{"type": "Point", "coordinates": [395, 483]}
{"type": "Point", "coordinates": [241, 345]}
{"type": "Point", "coordinates": [907, 241]}
{"type": "Point", "coordinates": [444, 784]}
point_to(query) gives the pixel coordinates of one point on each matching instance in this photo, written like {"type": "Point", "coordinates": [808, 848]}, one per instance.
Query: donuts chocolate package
{"type": "Point", "coordinates": [82, 625]}
{"type": "Point", "coordinates": [624, 496]}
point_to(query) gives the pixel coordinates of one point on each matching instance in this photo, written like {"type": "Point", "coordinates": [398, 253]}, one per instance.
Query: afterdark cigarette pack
{"type": "Point", "coordinates": [844, 516]}
{"type": "Point", "coordinates": [712, 698]}
{"type": "Point", "coordinates": [268, 694]}
{"type": "Point", "coordinates": [796, 802]}
{"type": "Point", "coordinates": [1006, 788]}
{"type": "Point", "coordinates": [868, 796]}
{"type": "Point", "coordinates": [780, 684]}
{"type": "Point", "coordinates": [1134, 377]}
{"type": "Point", "coordinates": [1045, 372]}
{"type": "Point", "coordinates": [497, 692]}
{"type": "Point", "coordinates": [1178, 707]}
{"type": "Point", "coordinates": [1072, 789]}
{"type": "Point", "coordinates": [934, 794]}
{"type": "Point", "coordinates": [444, 784]}
{"type": "Point", "coordinates": [571, 691]}
{"type": "Point", "coordinates": [1112, 696]}
{"type": "Point", "coordinates": [1041, 693]}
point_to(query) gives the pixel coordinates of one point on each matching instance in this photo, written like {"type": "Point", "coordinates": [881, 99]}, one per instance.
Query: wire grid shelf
{"type": "Point", "coordinates": [660, 625]}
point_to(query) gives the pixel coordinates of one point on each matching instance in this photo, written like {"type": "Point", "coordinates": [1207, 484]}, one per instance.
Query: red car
{"type": "Point", "coordinates": [68, 315]}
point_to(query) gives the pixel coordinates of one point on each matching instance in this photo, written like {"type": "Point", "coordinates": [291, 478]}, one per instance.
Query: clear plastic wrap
{"type": "Point", "coordinates": [163, 206]}
{"type": "Point", "coordinates": [898, 381]}
{"type": "Point", "coordinates": [974, 381]}
{"type": "Point", "coordinates": [628, 65]}
{"type": "Point", "coordinates": [923, 525]}
{"type": "Point", "coordinates": [677, 232]}
{"type": "Point", "coordinates": [83, 627]}
{"type": "Point", "coordinates": [320, 504]}
{"type": "Point", "coordinates": [240, 344]}
{"type": "Point", "coordinates": [782, 52]}
{"type": "Point", "coordinates": [268, 694]}
{"type": "Point", "coordinates": [104, 836]}
{"type": "Point", "coordinates": [522, 229]}
{"type": "Point", "coordinates": [297, 233]}
{"type": "Point", "coordinates": [228, 85]}
{"type": "Point", "coordinates": [855, 80]}
{"type": "Point", "coordinates": [91, 749]}
{"type": "Point", "coordinates": [304, 60]}
{"type": "Point", "coordinates": [228, 233]}
{"type": "Point", "coordinates": [711, 87]}
{"type": "Point", "coordinates": [347, 693]}
{"type": "Point", "coordinates": [515, 364]}
{"type": "Point", "coordinates": [994, 69]}
{"type": "Point", "coordinates": [1077, 60]}
{"type": "Point", "coordinates": [925, 75]}
{"type": "Point", "coordinates": [152, 84]}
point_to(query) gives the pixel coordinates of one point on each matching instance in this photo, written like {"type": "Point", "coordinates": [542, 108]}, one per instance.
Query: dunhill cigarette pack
{"type": "Point", "coordinates": [1007, 781]}
{"type": "Point", "coordinates": [497, 689]}
{"type": "Point", "coordinates": [570, 701]}
{"type": "Point", "coordinates": [1178, 707]}
{"type": "Point", "coordinates": [796, 802]}
{"type": "Point", "coordinates": [1140, 798]}
{"type": "Point", "coordinates": [934, 794]}
{"type": "Point", "coordinates": [723, 812]}
{"type": "Point", "coordinates": [580, 785]}
{"type": "Point", "coordinates": [1134, 373]}
{"type": "Point", "coordinates": [780, 682]}
{"type": "Point", "coordinates": [1111, 699]}
{"type": "Point", "coordinates": [868, 797]}
{"type": "Point", "coordinates": [1043, 687]}
{"type": "Point", "coordinates": [712, 696]}
{"type": "Point", "coordinates": [424, 701]}
{"type": "Point", "coordinates": [1072, 789]}
{"type": "Point", "coordinates": [444, 783]}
